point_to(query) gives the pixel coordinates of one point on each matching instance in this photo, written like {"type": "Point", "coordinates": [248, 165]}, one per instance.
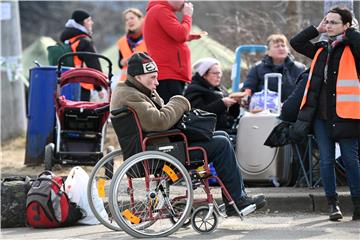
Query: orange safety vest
{"type": "Point", "coordinates": [74, 42]}
{"type": "Point", "coordinates": [126, 52]}
{"type": "Point", "coordinates": [347, 86]}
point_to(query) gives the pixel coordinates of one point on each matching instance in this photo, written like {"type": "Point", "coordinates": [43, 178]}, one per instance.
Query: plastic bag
{"type": "Point", "coordinates": [76, 188]}
{"type": "Point", "coordinates": [101, 96]}
{"type": "Point", "coordinates": [257, 101]}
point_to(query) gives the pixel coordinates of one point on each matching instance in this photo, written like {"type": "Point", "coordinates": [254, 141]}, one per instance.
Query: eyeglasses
{"type": "Point", "coordinates": [216, 73]}
{"type": "Point", "coordinates": [332, 22]}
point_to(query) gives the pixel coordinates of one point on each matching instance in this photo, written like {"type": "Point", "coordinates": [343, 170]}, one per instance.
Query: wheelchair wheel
{"type": "Point", "coordinates": [199, 223]}
{"type": "Point", "coordinates": [109, 166]}
{"type": "Point", "coordinates": [144, 193]}
{"type": "Point", "coordinates": [179, 206]}
{"type": "Point", "coordinates": [49, 156]}
{"type": "Point", "coordinates": [99, 186]}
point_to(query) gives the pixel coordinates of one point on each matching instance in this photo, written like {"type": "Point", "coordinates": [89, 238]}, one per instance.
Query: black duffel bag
{"type": "Point", "coordinates": [197, 125]}
{"type": "Point", "coordinates": [14, 191]}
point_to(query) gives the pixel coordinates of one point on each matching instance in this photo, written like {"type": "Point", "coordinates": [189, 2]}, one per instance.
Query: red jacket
{"type": "Point", "coordinates": [165, 39]}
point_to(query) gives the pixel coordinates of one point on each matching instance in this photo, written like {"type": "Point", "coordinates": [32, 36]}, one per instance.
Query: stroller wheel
{"type": "Point", "coordinates": [49, 155]}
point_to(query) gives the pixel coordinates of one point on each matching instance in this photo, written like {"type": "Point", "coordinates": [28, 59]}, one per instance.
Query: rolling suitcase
{"type": "Point", "coordinates": [260, 163]}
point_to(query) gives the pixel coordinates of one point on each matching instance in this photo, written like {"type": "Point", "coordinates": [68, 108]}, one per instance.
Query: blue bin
{"type": "Point", "coordinates": [41, 110]}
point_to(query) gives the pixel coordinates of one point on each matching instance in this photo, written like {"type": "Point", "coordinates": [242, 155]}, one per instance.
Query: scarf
{"type": "Point", "coordinates": [72, 24]}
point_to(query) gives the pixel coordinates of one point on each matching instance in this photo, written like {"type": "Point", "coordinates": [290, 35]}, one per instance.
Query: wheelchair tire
{"type": "Point", "coordinates": [49, 156]}
{"type": "Point", "coordinates": [109, 166]}
{"type": "Point", "coordinates": [100, 177]}
{"type": "Point", "coordinates": [140, 202]}
{"type": "Point", "coordinates": [199, 223]}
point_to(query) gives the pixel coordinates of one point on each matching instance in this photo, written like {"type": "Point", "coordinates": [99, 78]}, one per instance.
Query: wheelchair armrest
{"type": "Point", "coordinates": [116, 112]}
{"type": "Point", "coordinates": [162, 133]}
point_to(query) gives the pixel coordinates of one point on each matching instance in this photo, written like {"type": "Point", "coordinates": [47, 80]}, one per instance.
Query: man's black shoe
{"type": "Point", "coordinates": [258, 200]}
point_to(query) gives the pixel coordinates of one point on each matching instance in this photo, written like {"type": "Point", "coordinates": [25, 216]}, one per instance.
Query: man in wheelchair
{"type": "Point", "coordinates": [139, 93]}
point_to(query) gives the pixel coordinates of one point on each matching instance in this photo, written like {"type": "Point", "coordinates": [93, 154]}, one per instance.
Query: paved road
{"type": "Point", "coordinates": [256, 226]}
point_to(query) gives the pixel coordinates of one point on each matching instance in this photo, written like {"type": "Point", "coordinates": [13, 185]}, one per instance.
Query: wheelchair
{"type": "Point", "coordinates": [151, 194]}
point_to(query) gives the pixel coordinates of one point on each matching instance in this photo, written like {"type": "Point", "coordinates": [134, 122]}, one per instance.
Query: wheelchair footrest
{"type": "Point", "coordinates": [249, 209]}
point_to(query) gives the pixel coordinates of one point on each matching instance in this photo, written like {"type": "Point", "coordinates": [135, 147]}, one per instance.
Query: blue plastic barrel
{"type": "Point", "coordinates": [41, 110]}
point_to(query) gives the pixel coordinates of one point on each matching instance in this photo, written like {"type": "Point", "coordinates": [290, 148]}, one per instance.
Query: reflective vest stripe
{"type": "Point", "coordinates": [348, 98]}
{"type": "Point", "coordinates": [126, 52]}
{"type": "Point", "coordinates": [348, 83]}
{"type": "Point", "coordinates": [310, 76]}
{"type": "Point", "coordinates": [348, 87]}
{"type": "Point", "coordinates": [74, 41]}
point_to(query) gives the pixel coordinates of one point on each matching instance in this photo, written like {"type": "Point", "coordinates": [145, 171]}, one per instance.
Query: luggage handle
{"type": "Point", "coordinates": [266, 87]}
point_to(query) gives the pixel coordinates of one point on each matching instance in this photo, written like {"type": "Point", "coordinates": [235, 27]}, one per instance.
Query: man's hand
{"type": "Point", "coordinates": [188, 9]}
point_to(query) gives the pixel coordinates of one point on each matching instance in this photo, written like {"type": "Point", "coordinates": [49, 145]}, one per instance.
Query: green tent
{"type": "Point", "coordinates": [208, 47]}
{"type": "Point", "coordinates": [36, 52]}
{"type": "Point", "coordinates": [204, 47]}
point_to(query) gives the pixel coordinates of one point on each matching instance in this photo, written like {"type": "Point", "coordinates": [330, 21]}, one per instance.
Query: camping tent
{"type": "Point", "coordinates": [204, 47]}
{"type": "Point", "coordinates": [36, 52]}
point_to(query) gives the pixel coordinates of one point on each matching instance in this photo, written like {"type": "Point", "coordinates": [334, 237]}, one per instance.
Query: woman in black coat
{"type": "Point", "coordinates": [205, 92]}
{"type": "Point", "coordinates": [331, 101]}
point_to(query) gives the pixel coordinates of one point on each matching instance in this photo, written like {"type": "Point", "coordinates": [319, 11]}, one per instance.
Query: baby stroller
{"type": "Point", "coordinates": [80, 125]}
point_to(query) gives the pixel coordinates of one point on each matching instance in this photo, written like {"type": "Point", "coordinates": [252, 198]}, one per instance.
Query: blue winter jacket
{"type": "Point", "coordinates": [290, 70]}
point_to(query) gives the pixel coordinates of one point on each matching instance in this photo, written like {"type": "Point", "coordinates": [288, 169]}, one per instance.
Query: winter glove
{"type": "Point", "coordinates": [299, 131]}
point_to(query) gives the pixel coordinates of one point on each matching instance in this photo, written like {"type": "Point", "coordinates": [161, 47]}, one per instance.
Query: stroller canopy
{"type": "Point", "coordinates": [84, 75]}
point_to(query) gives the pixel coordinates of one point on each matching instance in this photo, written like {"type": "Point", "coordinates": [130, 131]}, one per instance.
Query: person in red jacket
{"type": "Point", "coordinates": [165, 39]}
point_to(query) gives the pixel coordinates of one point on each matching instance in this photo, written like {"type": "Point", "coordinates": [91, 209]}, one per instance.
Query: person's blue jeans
{"type": "Point", "coordinates": [349, 154]}
{"type": "Point", "coordinates": [221, 154]}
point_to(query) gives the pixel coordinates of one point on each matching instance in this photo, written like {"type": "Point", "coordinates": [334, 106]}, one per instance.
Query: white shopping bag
{"type": "Point", "coordinates": [76, 188]}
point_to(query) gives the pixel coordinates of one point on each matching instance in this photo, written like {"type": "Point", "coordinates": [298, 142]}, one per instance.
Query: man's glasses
{"type": "Point", "coordinates": [331, 22]}
{"type": "Point", "coordinates": [216, 73]}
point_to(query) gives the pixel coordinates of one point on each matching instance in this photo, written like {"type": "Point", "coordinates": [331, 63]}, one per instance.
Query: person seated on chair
{"type": "Point", "coordinates": [206, 92]}
{"type": "Point", "coordinates": [277, 60]}
{"type": "Point", "coordinates": [139, 93]}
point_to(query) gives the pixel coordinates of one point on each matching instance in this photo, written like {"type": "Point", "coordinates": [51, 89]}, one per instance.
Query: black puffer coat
{"type": "Point", "coordinates": [290, 108]}
{"type": "Point", "coordinates": [339, 127]}
{"type": "Point", "coordinates": [205, 97]}
{"type": "Point", "coordinates": [290, 71]}
{"type": "Point", "coordinates": [85, 45]}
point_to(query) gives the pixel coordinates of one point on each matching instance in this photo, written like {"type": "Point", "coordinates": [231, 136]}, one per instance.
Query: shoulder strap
{"type": "Point", "coordinates": [76, 38]}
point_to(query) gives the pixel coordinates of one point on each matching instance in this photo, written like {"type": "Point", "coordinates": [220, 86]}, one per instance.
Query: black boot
{"type": "Point", "coordinates": [356, 204]}
{"type": "Point", "coordinates": [334, 209]}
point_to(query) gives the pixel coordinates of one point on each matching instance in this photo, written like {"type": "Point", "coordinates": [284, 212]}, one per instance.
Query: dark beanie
{"type": "Point", "coordinates": [79, 16]}
{"type": "Point", "coordinates": [141, 63]}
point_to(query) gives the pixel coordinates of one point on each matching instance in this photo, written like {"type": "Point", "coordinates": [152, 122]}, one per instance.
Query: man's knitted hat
{"type": "Point", "coordinates": [141, 63]}
{"type": "Point", "coordinates": [79, 16]}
